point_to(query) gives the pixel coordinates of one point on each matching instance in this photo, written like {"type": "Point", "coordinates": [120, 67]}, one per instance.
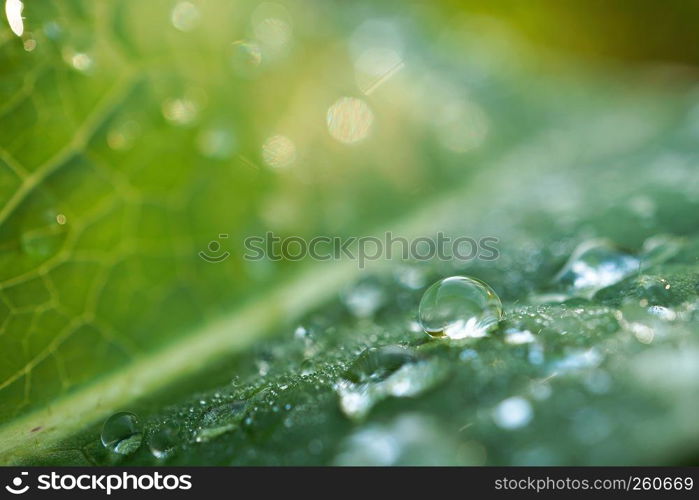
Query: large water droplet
{"type": "Point", "coordinates": [379, 373]}
{"type": "Point", "coordinates": [459, 307]}
{"type": "Point", "coordinates": [122, 433]}
{"type": "Point", "coordinates": [596, 264]}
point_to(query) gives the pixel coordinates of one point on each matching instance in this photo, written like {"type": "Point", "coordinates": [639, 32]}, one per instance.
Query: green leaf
{"type": "Point", "coordinates": [128, 144]}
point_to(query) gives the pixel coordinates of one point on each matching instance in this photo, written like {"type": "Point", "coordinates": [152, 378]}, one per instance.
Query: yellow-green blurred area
{"type": "Point", "coordinates": [135, 135]}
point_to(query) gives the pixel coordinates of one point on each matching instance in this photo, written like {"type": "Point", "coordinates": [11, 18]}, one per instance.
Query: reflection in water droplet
{"type": "Point", "coordinates": [513, 413]}
{"type": "Point", "coordinates": [349, 120]}
{"type": "Point", "coordinates": [163, 441]}
{"type": "Point", "coordinates": [220, 419]}
{"type": "Point", "coordinates": [279, 151]}
{"type": "Point", "coordinates": [184, 16]}
{"type": "Point", "coordinates": [181, 111]}
{"type": "Point", "coordinates": [246, 56]}
{"type": "Point", "coordinates": [61, 219]}
{"type": "Point", "coordinates": [382, 372]}
{"type": "Point", "coordinates": [122, 433]}
{"type": "Point", "coordinates": [596, 264]}
{"type": "Point", "coordinates": [13, 11]}
{"type": "Point", "coordinates": [459, 307]}
{"type": "Point", "coordinates": [216, 143]}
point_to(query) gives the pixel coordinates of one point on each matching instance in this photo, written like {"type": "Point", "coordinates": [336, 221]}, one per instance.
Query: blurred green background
{"type": "Point", "coordinates": [134, 134]}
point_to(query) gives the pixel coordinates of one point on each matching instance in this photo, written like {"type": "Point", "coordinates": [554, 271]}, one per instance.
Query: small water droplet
{"type": "Point", "coordinates": [382, 372]}
{"type": "Point", "coordinates": [307, 368]}
{"type": "Point", "coordinates": [459, 307]}
{"type": "Point", "coordinates": [164, 440]}
{"type": "Point", "coordinates": [513, 413]}
{"type": "Point", "coordinates": [122, 433]}
{"type": "Point", "coordinates": [220, 419]}
{"type": "Point", "coordinates": [596, 264]}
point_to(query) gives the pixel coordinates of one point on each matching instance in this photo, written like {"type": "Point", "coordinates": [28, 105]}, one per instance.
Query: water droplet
{"type": "Point", "coordinates": [279, 151]}
{"type": "Point", "coordinates": [459, 307]}
{"type": "Point", "coordinates": [349, 120]}
{"type": "Point", "coordinates": [220, 419]}
{"type": "Point", "coordinates": [307, 368]}
{"type": "Point", "coordinates": [163, 441]}
{"type": "Point", "coordinates": [122, 433]}
{"type": "Point", "coordinates": [180, 111]}
{"type": "Point", "coordinates": [13, 11]}
{"type": "Point", "coordinates": [246, 57]}
{"type": "Point", "coordinates": [61, 219]}
{"type": "Point", "coordinates": [216, 143]}
{"type": "Point", "coordinates": [513, 413]}
{"type": "Point", "coordinates": [184, 16]}
{"type": "Point", "coordinates": [596, 264]}
{"type": "Point", "coordinates": [379, 373]}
